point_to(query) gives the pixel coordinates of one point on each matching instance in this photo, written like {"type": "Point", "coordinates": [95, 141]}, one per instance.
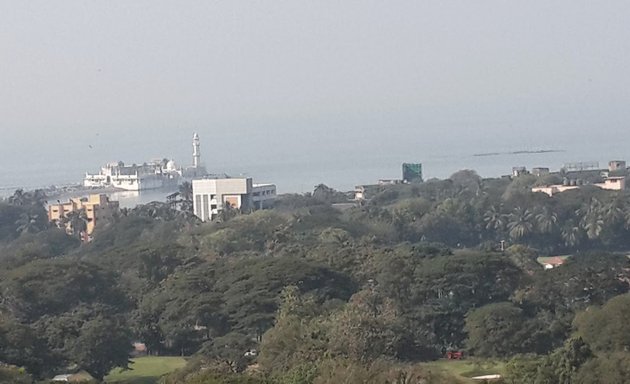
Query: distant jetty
{"type": "Point", "coordinates": [523, 152]}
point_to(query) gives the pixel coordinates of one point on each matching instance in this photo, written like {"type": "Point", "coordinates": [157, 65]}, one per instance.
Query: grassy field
{"type": "Point", "coordinates": [467, 368]}
{"type": "Point", "coordinates": [145, 370]}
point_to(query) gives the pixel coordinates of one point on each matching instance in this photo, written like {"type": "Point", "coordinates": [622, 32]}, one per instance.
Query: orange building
{"type": "Point", "coordinates": [96, 207]}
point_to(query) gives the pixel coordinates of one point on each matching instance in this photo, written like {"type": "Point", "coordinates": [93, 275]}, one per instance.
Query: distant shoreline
{"type": "Point", "coordinates": [521, 152]}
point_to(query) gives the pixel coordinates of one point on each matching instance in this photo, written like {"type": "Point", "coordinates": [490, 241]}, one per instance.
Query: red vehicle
{"type": "Point", "coordinates": [454, 355]}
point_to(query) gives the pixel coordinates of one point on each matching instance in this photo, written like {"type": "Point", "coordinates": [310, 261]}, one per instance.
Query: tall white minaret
{"type": "Point", "coordinates": [196, 153]}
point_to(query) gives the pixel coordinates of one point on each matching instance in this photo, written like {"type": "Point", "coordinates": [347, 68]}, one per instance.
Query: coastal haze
{"type": "Point", "coordinates": [299, 93]}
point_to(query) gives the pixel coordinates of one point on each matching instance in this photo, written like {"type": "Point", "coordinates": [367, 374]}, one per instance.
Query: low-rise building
{"type": "Point", "coordinates": [540, 171]}
{"type": "Point", "coordinates": [554, 189]}
{"type": "Point", "coordinates": [519, 171]}
{"type": "Point", "coordinates": [613, 183]}
{"type": "Point", "coordinates": [616, 165]}
{"type": "Point", "coordinates": [263, 195]}
{"type": "Point", "coordinates": [552, 261]}
{"type": "Point", "coordinates": [96, 207]}
{"type": "Point", "coordinates": [616, 183]}
{"type": "Point", "coordinates": [211, 195]}
{"type": "Point", "coordinates": [390, 181]}
{"type": "Point", "coordinates": [359, 192]}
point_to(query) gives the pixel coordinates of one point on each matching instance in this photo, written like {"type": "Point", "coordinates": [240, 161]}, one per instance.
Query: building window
{"type": "Point", "coordinates": [206, 204]}
{"type": "Point", "coordinates": [198, 205]}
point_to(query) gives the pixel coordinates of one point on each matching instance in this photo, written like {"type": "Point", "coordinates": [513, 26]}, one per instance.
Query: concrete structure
{"type": "Point", "coordinates": [552, 261]}
{"type": "Point", "coordinates": [96, 207]}
{"type": "Point", "coordinates": [152, 175]}
{"type": "Point", "coordinates": [553, 189]}
{"type": "Point", "coordinates": [616, 165]}
{"type": "Point", "coordinates": [359, 192]}
{"type": "Point", "coordinates": [197, 169]}
{"type": "Point", "coordinates": [412, 173]}
{"type": "Point", "coordinates": [368, 191]}
{"type": "Point", "coordinates": [210, 196]}
{"type": "Point", "coordinates": [617, 183]}
{"type": "Point", "coordinates": [518, 171]}
{"type": "Point", "coordinates": [580, 166]}
{"type": "Point", "coordinates": [79, 377]}
{"type": "Point", "coordinates": [390, 181]}
{"type": "Point", "coordinates": [262, 195]}
{"type": "Point", "coordinates": [196, 161]}
{"type": "Point", "coordinates": [540, 171]}
{"type": "Point", "coordinates": [613, 183]}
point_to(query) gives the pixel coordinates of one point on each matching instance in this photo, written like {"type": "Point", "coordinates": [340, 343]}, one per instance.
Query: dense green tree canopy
{"type": "Point", "coordinates": [406, 275]}
{"type": "Point", "coordinates": [606, 329]}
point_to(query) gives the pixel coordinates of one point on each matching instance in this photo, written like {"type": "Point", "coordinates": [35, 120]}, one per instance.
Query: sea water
{"type": "Point", "coordinates": [298, 161]}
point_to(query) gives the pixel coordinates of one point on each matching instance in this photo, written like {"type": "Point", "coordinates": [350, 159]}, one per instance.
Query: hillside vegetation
{"type": "Point", "coordinates": [308, 292]}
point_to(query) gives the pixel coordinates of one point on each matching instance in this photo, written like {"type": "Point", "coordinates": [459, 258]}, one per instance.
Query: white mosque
{"type": "Point", "coordinates": [152, 175]}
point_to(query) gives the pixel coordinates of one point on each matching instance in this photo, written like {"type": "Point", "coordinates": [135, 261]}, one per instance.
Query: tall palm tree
{"type": "Point", "coordinates": [185, 201]}
{"type": "Point", "coordinates": [613, 211]}
{"type": "Point", "coordinates": [77, 221]}
{"type": "Point", "coordinates": [572, 234]}
{"type": "Point", "coordinates": [323, 192]}
{"type": "Point", "coordinates": [591, 218]}
{"type": "Point", "coordinates": [593, 225]}
{"type": "Point", "coordinates": [185, 191]}
{"type": "Point", "coordinates": [626, 215]}
{"type": "Point", "coordinates": [28, 224]}
{"type": "Point", "coordinates": [18, 197]}
{"type": "Point", "coordinates": [546, 220]}
{"type": "Point", "coordinates": [36, 197]}
{"type": "Point", "coordinates": [520, 223]}
{"type": "Point", "coordinates": [494, 219]}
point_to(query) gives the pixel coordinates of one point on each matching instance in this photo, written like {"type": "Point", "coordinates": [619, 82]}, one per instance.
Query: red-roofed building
{"type": "Point", "coordinates": [553, 262]}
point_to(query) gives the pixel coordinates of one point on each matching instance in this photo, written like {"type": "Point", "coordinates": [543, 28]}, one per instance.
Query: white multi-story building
{"type": "Point", "coordinates": [154, 175]}
{"type": "Point", "coordinates": [210, 196]}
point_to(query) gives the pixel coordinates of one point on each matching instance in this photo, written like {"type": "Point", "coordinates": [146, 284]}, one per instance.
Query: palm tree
{"type": "Point", "coordinates": [521, 223]}
{"type": "Point", "coordinates": [36, 197]}
{"type": "Point", "coordinates": [613, 211]}
{"type": "Point", "coordinates": [18, 197]}
{"type": "Point", "coordinates": [77, 221]}
{"type": "Point", "coordinates": [185, 191]}
{"type": "Point", "coordinates": [626, 215]}
{"type": "Point", "coordinates": [591, 218]}
{"type": "Point", "coordinates": [28, 223]}
{"type": "Point", "coordinates": [593, 226]}
{"type": "Point", "coordinates": [572, 234]}
{"type": "Point", "coordinates": [494, 219]}
{"type": "Point", "coordinates": [546, 220]}
{"type": "Point", "coordinates": [185, 203]}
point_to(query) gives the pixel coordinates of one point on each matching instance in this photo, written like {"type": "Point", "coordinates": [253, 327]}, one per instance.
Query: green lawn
{"type": "Point", "coordinates": [145, 370]}
{"type": "Point", "coordinates": [464, 369]}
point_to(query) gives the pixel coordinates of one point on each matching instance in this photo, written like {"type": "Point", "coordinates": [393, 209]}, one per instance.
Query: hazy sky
{"type": "Point", "coordinates": [306, 74]}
